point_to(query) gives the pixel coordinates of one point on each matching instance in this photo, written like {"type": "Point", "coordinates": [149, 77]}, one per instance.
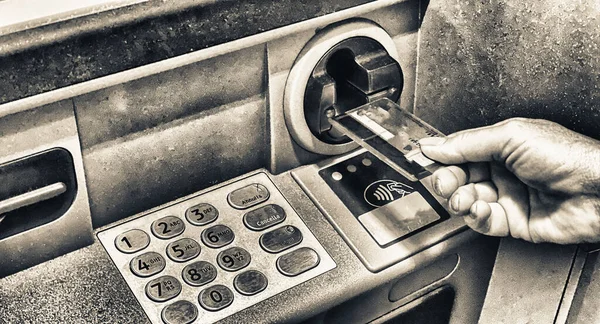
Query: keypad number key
{"type": "Point", "coordinates": [233, 259]}
{"type": "Point", "coordinates": [132, 241]}
{"type": "Point", "coordinates": [201, 214]}
{"type": "Point", "coordinates": [179, 312]}
{"type": "Point", "coordinates": [167, 227]}
{"type": "Point", "coordinates": [250, 282]}
{"type": "Point", "coordinates": [183, 250]}
{"type": "Point", "coordinates": [199, 273]}
{"type": "Point", "coordinates": [163, 288]}
{"type": "Point", "coordinates": [217, 236]}
{"type": "Point", "coordinates": [147, 264]}
{"type": "Point", "coordinates": [215, 298]}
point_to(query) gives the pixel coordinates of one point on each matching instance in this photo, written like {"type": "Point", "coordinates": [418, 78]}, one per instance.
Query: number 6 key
{"type": "Point", "coordinates": [217, 236]}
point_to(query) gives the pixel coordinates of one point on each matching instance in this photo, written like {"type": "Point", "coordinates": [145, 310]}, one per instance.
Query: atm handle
{"type": "Point", "coordinates": [32, 197]}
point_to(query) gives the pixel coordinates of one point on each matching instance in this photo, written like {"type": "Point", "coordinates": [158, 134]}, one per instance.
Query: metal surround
{"type": "Point", "coordinates": [374, 257]}
{"type": "Point", "coordinates": [261, 260]}
{"type": "Point", "coordinates": [297, 80]}
{"type": "Point", "coordinates": [29, 133]}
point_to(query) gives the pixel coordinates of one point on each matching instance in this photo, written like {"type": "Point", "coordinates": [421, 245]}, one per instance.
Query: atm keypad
{"type": "Point", "coordinates": [206, 257]}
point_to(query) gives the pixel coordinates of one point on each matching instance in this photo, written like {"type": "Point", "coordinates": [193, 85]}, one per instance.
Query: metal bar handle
{"type": "Point", "coordinates": [32, 197]}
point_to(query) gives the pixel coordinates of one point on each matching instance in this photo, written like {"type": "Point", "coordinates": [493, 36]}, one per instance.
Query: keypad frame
{"type": "Point", "coordinates": [244, 237]}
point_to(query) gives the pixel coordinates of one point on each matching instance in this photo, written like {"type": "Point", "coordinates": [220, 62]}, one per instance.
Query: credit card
{"type": "Point", "coordinates": [391, 134]}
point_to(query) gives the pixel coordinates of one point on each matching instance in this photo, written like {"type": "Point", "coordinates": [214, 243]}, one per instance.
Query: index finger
{"type": "Point", "coordinates": [484, 144]}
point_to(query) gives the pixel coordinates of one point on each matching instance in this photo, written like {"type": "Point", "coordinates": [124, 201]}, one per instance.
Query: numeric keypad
{"type": "Point", "coordinates": [209, 256]}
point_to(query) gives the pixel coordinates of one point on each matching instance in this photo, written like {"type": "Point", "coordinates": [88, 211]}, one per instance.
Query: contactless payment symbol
{"type": "Point", "coordinates": [382, 192]}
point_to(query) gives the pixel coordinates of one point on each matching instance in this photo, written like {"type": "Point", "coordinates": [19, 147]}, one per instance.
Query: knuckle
{"type": "Point", "coordinates": [516, 126]}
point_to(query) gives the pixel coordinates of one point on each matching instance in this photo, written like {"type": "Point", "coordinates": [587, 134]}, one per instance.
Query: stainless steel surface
{"type": "Point", "coordinates": [432, 274]}
{"type": "Point", "coordinates": [32, 197]}
{"type": "Point", "coordinates": [89, 277]}
{"type": "Point", "coordinates": [244, 237]}
{"type": "Point", "coordinates": [571, 287]}
{"type": "Point", "coordinates": [527, 283]}
{"type": "Point", "coordinates": [366, 248]}
{"type": "Point", "coordinates": [187, 59]}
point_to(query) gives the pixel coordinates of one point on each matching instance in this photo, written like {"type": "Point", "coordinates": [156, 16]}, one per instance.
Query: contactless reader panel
{"type": "Point", "coordinates": [388, 205]}
{"type": "Point", "coordinates": [384, 216]}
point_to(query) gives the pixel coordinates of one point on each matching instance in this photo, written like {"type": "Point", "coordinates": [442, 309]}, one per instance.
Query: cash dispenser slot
{"type": "Point", "coordinates": [36, 190]}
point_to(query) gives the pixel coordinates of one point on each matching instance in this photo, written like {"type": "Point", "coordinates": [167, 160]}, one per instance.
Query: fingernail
{"type": "Point", "coordinates": [431, 141]}
{"type": "Point", "coordinates": [438, 187]}
{"type": "Point", "coordinates": [473, 213]}
{"type": "Point", "coordinates": [455, 203]}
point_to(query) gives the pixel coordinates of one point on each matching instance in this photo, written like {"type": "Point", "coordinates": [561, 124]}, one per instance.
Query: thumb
{"type": "Point", "coordinates": [484, 144]}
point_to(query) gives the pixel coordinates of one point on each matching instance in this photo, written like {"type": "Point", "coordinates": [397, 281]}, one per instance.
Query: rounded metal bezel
{"type": "Point", "coordinates": [309, 57]}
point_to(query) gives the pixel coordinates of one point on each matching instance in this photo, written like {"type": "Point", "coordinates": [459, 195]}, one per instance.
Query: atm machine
{"type": "Point", "coordinates": [190, 174]}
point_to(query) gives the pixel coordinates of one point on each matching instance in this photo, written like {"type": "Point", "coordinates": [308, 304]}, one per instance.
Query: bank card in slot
{"type": "Point", "coordinates": [391, 134]}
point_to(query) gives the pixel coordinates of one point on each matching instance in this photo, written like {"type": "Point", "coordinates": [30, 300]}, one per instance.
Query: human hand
{"type": "Point", "coordinates": [529, 179]}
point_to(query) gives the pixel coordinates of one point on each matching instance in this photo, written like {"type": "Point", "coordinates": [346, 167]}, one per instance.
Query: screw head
{"type": "Point", "coordinates": [330, 112]}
